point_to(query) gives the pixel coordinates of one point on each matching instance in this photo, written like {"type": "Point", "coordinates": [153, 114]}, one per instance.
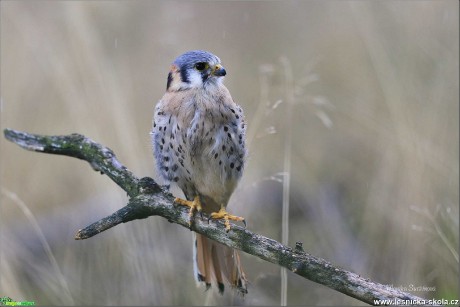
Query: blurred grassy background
{"type": "Point", "coordinates": [375, 130]}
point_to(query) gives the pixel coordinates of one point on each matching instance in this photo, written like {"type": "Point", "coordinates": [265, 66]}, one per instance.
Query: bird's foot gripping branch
{"type": "Point", "coordinates": [147, 198]}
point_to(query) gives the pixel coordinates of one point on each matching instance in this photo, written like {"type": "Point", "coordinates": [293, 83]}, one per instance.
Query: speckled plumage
{"type": "Point", "coordinates": [199, 143]}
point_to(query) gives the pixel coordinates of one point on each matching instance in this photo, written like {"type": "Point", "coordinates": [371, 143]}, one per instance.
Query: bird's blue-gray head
{"type": "Point", "coordinates": [195, 69]}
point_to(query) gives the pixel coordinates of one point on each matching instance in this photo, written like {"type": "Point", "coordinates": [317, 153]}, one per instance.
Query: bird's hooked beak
{"type": "Point", "coordinates": [218, 71]}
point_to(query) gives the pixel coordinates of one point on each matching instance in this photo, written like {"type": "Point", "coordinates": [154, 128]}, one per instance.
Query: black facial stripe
{"type": "Point", "coordinates": [183, 75]}
{"type": "Point", "coordinates": [169, 80]}
{"type": "Point", "coordinates": [204, 76]}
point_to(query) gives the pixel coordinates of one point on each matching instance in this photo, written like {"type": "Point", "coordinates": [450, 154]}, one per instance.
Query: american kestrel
{"type": "Point", "coordinates": [199, 145]}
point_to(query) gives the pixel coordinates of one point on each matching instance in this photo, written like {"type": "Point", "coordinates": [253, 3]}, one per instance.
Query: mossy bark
{"type": "Point", "coordinates": [147, 198]}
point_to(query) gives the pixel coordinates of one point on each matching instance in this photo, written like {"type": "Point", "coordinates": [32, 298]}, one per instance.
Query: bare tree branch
{"type": "Point", "coordinates": [147, 198]}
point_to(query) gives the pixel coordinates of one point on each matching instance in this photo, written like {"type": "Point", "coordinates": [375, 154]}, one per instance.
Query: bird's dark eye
{"type": "Point", "coordinates": [201, 66]}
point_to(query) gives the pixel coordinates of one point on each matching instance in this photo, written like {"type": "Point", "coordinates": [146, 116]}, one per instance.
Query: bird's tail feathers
{"type": "Point", "coordinates": [216, 262]}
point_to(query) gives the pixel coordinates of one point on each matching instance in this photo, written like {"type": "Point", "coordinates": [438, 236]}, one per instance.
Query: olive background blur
{"type": "Point", "coordinates": [373, 89]}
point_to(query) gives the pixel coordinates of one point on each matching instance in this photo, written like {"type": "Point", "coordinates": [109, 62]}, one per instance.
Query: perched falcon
{"type": "Point", "coordinates": [199, 145]}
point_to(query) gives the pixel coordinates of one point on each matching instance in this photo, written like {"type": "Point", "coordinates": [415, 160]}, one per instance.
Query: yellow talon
{"type": "Point", "coordinates": [194, 205]}
{"type": "Point", "coordinates": [223, 214]}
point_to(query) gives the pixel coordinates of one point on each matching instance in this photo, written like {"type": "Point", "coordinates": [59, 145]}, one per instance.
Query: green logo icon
{"type": "Point", "coordinates": [8, 301]}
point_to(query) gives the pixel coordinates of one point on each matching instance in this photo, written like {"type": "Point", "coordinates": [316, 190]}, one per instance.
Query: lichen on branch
{"type": "Point", "coordinates": [147, 198]}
